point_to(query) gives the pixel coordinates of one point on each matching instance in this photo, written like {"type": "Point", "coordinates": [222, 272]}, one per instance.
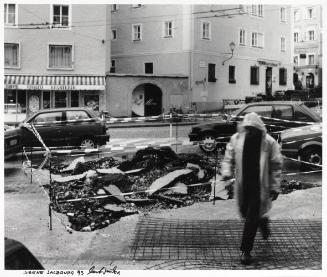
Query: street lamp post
{"type": "Point", "coordinates": [232, 47]}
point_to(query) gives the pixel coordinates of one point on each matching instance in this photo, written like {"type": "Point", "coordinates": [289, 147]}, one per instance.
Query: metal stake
{"type": "Point", "coordinates": [50, 217]}
{"type": "Point", "coordinates": [31, 165]}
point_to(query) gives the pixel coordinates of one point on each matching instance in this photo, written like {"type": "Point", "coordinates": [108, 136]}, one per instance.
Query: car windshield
{"type": "Point", "coordinates": [311, 112]}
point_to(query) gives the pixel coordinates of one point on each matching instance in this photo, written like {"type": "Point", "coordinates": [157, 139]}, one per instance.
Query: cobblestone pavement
{"type": "Point", "coordinates": [214, 244]}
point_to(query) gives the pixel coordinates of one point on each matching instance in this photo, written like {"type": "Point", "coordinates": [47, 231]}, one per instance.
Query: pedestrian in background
{"type": "Point", "coordinates": [257, 161]}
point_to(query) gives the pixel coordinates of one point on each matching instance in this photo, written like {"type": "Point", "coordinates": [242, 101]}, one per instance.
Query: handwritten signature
{"type": "Point", "coordinates": [112, 269]}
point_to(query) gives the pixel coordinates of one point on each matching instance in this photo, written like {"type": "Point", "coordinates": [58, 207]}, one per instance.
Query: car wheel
{"type": "Point", "coordinates": [87, 143]}
{"type": "Point", "coordinates": [208, 144]}
{"type": "Point", "coordinates": [312, 155]}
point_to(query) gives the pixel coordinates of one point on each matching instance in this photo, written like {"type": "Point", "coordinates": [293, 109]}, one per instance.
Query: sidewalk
{"type": "Point", "coordinates": [26, 219]}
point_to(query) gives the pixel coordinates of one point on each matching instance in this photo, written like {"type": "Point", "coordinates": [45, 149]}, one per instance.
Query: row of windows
{"type": "Point", "coordinates": [59, 15]}
{"type": "Point", "coordinates": [59, 56]}
{"type": "Point", "coordinates": [254, 73]}
{"type": "Point", "coordinates": [309, 59]}
{"type": "Point", "coordinates": [308, 36]}
{"type": "Point", "coordinates": [309, 13]}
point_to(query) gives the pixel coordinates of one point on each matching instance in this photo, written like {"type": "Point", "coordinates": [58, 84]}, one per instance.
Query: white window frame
{"type": "Point", "coordinates": [308, 59]}
{"type": "Point", "coordinates": [10, 25]}
{"type": "Point", "coordinates": [209, 30]}
{"type": "Point", "coordinates": [164, 35]}
{"type": "Point", "coordinates": [281, 48]}
{"type": "Point", "coordinates": [112, 30]}
{"type": "Point", "coordinates": [308, 35]}
{"type": "Point", "coordinates": [281, 19]}
{"type": "Point", "coordinates": [258, 36]}
{"type": "Point", "coordinates": [299, 15]}
{"type": "Point", "coordinates": [313, 13]}
{"type": "Point", "coordinates": [298, 36]}
{"type": "Point", "coordinates": [245, 37]}
{"type": "Point", "coordinates": [59, 27]}
{"type": "Point", "coordinates": [133, 33]}
{"type": "Point", "coordinates": [112, 8]}
{"type": "Point", "coordinates": [262, 11]}
{"type": "Point", "coordinates": [298, 60]}
{"type": "Point", "coordinates": [18, 56]}
{"type": "Point", "coordinates": [60, 44]}
{"type": "Point", "coordinates": [254, 10]}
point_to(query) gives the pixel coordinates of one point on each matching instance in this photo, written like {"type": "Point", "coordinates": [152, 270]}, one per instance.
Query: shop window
{"type": "Point", "coordinates": [11, 55]}
{"type": "Point", "coordinates": [148, 68]}
{"type": "Point", "coordinates": [282, 76]}
{"type": "Point", "coordinates": [254, 75]}
{"type": "Point", "coordinates": [60, 56]}
{"type": "Point", "coordinates": [91, 102]}
{"type": "Point", "coordinates": [74, 98]}
{"type": "Point", "coordinates": [10, 14]}
{"type": "Point", "coordinates": [211, 72]}
{"type": "Point", "coordinates": [46, 100]}
{"type": "Point", "coordinates": [231, 74]}
{"type": "Point", "coordinates": [60, 15]}
{"type": "Point", "coordinates": [60, 99]}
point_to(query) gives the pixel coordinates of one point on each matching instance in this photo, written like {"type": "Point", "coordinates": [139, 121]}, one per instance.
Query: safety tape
{"type": "Point", "coordinates": [300, 173]}
{"type": "Point", "coordinates": [277, 119]}
{"type": "Point", "coordinates": [303, 162]}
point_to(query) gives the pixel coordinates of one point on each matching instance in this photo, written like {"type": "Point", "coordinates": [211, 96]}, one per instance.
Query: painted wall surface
{"type": "Point", "coordinates": [170, 55]}
{"type": "Point", "coordinates": [87, 35]}
{"type": "Point", "coordinates": [120, 92]}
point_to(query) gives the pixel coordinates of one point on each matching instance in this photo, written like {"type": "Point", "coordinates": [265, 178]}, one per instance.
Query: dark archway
{"type": "Point", "coordinates": [147, 100]}
{"type": "Point", "coordinates": [310, 80]}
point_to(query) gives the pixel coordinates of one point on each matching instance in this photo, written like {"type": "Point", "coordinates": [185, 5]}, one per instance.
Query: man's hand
{"type": "Point", "coordinates": [274, 195]}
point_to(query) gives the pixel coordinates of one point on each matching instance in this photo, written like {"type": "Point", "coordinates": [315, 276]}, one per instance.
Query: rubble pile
{"type": "Point", "coordinates": [96, 193]}
{"type": "Point", "coordinates": [290, 186]}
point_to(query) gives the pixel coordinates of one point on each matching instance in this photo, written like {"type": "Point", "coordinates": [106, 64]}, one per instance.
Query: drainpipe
{"type": "Point", "coordinates": [191, 55]}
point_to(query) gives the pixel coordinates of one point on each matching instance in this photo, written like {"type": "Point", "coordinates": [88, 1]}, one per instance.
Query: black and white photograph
{"type": "Point", "coordinates": [163, 136]}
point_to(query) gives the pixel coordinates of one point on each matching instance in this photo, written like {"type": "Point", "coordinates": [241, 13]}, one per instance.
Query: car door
{"type": "Point", "coordinates": [265, 111]}
{"type": "Point", "coordinates": [48, 125]}
{"type": "Point", "coordinates": [79, 124]}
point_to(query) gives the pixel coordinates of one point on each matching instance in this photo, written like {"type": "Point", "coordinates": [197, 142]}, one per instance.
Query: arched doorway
{"type": "Point", "coordinates": [310, 80]}
{"type": "Point", "coordinates": [146, 100]}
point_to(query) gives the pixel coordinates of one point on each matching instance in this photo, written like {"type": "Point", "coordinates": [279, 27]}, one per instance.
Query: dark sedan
{"type": "Point", "coordinates": [290, 114]}
{"type": "Point", "coordinates": [65, 127]}
{"type": "Point", "coordinates": [304, 143]}
{"type": "Point", "coordinates": [12, 143]}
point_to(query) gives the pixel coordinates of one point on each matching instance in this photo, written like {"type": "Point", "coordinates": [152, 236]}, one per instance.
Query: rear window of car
{"type": "Point", "coordinates": [283, 112]}
{"type": "Point", "coordinates": [262, 110]}
{"type": "Point", "coordinates": [48, 117]}
{"type": "Point", "coordinates": [77, 115]}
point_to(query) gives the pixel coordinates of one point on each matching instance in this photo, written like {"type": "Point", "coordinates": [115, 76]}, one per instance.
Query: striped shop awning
{"type": "Point", "coordinates": [37, 82]}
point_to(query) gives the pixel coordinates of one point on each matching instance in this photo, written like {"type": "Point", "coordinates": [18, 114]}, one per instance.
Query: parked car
{"type": "Point", "coordinates": [12, 143]}
{"type": "Point", "coordinates": [18, 257]}
{"type": "Point", "coordinates": [304, 143]}
{"type": "Point", "coordinates": [66, 127]}
{"type": "Point", "coordinates": [284, 110]}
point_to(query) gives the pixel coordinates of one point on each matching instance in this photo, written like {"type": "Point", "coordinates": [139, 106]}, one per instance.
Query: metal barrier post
{"type": "Point", "coordinates": [214, 187]}
{"type": "Point", "coordinates": [171, 127]}
{"type": "Point", "coordinates": [50, 217]}
{"type": "Point", "coordinates": [177, 118]}
{"type": "Point", "coordinates": [31, 165]}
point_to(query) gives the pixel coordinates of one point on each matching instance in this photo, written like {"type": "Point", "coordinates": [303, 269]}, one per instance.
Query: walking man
{"type": "Point", "coordinates": [257, 161]}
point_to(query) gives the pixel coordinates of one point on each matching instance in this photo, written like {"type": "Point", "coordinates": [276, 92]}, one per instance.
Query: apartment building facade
{"type": "Point", "coordinates": [55, 56]}
{"type": "Point", "coordinates": [207, 53]}
{"type": "Point", "coordinates": [307, 36]}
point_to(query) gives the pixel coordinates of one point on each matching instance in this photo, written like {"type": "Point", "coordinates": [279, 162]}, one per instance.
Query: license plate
{"type": "Point", "coordinates": [13, 142]}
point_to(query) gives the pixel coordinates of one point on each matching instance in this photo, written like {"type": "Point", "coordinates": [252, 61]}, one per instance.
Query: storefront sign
{"type": "Point", "coordinates": [262, 62]}
{"type": "Point", "coordinates": [54, 87]}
